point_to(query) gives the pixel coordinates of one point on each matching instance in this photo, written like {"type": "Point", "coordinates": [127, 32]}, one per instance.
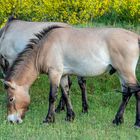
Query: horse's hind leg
{"type": "Point", "coordinates": [124, 60]}
{"type": "Point", "coordinates": [82, 84]}
{"type": "Point", "coordinates": [119, 116]}
{"type": "Point", "coordinates": [127, 74]}
{"type": "Point", "coordinates": [125, 98]}
{"type": "Point", "coordinates": [65, 88]}
{"type": "Point", "coordinates": [61, 105]}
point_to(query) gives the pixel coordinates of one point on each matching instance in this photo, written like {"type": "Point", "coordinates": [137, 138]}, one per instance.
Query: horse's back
{"type": "Point", "coordinates": [19, 25]}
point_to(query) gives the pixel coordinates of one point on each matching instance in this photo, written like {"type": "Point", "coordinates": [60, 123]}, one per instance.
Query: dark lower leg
{"type": "Point", "coordinates": [137, 123]}
{"type": "Point", "coordinates": [70, 113]}
{"type": "Point", "coordinates": [119, 116]}
{"type": "Point", "coordinates": [65, 90]}
{"type": "Point", "coordinates": [69, 82]}
{"type": "Point", "coordinates": [82, 84]}
{"type": "Point", "coordinates": [52, 98]}
{"type": "Point", "coordinates": [61, 105]}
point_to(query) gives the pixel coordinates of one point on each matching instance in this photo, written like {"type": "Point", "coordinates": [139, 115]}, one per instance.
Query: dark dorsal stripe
{"type": "Point", "coordinates": [27, 52]}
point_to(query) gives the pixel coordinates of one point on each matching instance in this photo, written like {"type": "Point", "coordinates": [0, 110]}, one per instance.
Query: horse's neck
{"type": "Point", "coordinates": [25, 75]}
{"type": "Point", "coordinates": [41, 63]}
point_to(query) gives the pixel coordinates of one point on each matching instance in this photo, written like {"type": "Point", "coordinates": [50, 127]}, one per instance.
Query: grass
{"type": "Point", "coordinates": [96, 125]}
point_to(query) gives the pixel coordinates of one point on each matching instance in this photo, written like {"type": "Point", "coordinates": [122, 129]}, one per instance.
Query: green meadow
{"type": "Point", "coordinates": [97, 124]}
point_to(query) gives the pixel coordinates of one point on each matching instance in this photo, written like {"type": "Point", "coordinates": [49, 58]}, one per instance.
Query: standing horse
{"type": "Point", "coordinates": [84, 52]}
{"type": "Point", "coordinates": [13, 39]}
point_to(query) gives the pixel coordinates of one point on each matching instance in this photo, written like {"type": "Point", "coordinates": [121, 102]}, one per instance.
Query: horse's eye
{"type": "Point", "coordinates": [11, 99]}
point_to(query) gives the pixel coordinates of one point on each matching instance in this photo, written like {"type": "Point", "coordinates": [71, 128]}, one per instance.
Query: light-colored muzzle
{"type": "Point", "coordinates": [14, 118]}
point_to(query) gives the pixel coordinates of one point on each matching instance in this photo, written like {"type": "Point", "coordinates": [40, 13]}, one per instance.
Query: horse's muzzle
{"type": "Point", "coordinates": [14, 118]}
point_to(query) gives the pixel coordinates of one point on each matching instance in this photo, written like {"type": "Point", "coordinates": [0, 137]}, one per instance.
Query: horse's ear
{"type": "Point", "coordinates": [9, 84]}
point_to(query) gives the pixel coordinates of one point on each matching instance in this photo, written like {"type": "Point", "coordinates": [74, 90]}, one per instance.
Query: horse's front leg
{"type": "Point", "coordinates": [65, 90]}
{"type": "Point", "coordinates": [61, 105]}
{"type": "Point", "coordinates": [82, 84]}
{"type": "Point", "coordinates": [54, 83]}
{"type": "Point", "coordinates": [125, 98]}
{"type": "Point", "coordinates": [137, 123]}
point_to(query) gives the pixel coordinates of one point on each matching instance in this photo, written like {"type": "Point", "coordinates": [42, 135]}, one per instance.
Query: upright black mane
{"type": "Point", "coordinates": [27, 52]}
{"type": "Point", "coordinates": [45, 31]}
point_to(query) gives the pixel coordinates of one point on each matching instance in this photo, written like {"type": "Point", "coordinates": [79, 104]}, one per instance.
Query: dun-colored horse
{"type": "Point", "coordinates": [59, 52]}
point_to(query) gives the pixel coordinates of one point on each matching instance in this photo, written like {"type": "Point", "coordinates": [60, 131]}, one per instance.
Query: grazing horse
{"type": "Point", "coordinates": [62, 51]}
{"type": "Point", "coordinates": [13, 39]}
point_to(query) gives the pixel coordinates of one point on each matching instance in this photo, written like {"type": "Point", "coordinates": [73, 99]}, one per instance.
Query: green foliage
{"type": "Point", "coordinates": [71, 11]}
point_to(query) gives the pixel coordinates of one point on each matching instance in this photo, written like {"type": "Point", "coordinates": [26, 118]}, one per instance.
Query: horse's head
{"type": "Point", "coordinates": [18, 101]}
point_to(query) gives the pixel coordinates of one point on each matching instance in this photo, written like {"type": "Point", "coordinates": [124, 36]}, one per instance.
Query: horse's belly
{"type": "Point", "coordinates": [90, 70]}
{"type": "Point", "coordinates": [86, 68]}
{"type": "Point", "coordinates": [86, 61]}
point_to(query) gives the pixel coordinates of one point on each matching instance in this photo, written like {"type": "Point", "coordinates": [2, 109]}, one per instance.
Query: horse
{"type": "Point", "coordinates": [13, 39]}
{"type": "Point", "coordinates": [61, 51]}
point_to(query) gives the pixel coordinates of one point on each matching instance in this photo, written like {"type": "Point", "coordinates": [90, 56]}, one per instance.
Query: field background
{"type": "Point", "coordinates": [102, 98]}
{"type": "Point", "coordinates": [72, 11]}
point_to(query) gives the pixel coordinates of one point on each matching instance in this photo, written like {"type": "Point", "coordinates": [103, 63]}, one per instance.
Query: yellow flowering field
{"type": "Point", "coordinates": [72, 11]}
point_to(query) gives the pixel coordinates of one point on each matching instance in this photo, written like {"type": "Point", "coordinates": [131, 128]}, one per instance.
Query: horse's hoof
{"type": "Point", "coordinates": [70, 116]}
{"type": "Point", "coordinates": [137, 125]}
{"type": "Point", "coordinates": [85, 110]}
{"type": "Point", "coordinates": [46, 122]}
{"type": "Point", "coordinates": [49, 120]}
{"type": "Point", "coordinates": [118, 121]}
